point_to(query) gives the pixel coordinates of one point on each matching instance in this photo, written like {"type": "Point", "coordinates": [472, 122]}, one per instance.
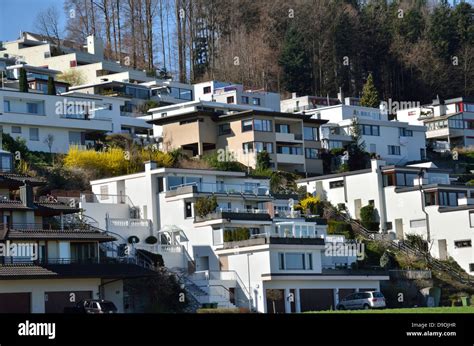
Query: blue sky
{"type": "Point", "coordinates": [19, 15]}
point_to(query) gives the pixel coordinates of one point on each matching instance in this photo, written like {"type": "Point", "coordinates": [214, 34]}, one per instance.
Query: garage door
{"type": "Point", "coordinates": [344, 292]}
{"type": "Point", "coordinates": [55, 302]}
{"type": "Point", "coordinates": [316, 299]}
{"type": "Point", "coordinates": [15, 303]}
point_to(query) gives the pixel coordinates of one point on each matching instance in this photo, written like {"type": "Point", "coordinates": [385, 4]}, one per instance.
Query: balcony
{"type": "Point", "coordinates": [444, 133]}
{"type": "Point", "coordinates": [263, 239]}
{"type": "Point", "coordinates": [291, 158]}
{"type": "Point", "coordinates": [235, 214]}
{"type": "Point", "coordinates": [288, 137]}
{"type": "Point", "coordinates": [214, 188]}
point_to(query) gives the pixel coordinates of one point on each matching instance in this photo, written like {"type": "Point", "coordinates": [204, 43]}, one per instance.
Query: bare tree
{"type": "Point", "coordinates": [47, 24]}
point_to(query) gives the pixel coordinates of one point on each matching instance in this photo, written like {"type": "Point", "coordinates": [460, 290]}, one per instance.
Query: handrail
{"type": "Point", "coordinates": [408, 249]}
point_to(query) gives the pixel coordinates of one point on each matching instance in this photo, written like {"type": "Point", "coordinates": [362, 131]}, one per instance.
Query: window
{"type": "Point", "coordinates": [469, 107]}
{"type": "Point", "coordinates": [256, 101]}
{"type": "Point", "coordinates": [394, 150]}
{"type": "Point", "coordinates": [247, 125]}
{"type": "Point", "coordinates": [206, 90]}
{"type": "Point", "coordinates": [245, 100]}
{"type": "Point", "coordinates": [258, 147]}
{"type": "Point", "coordinates": [75, 138]}
{"type": "Point", "coordinates": [32, 108]}
{"type": "Point", "coordinates": [335, 184]}
{"type": "Point", "coordinates": [247, 147]}
{"type": "Point", "coordinates": [174, 182]}
{"type": "Point", "coordinates": [188, 210]}
{"type": "Point", "coordinates": [430, 198]}
{"type": "Point", "coordinates": [311, 153]}
{"type": "Point", "coordinates": [471, 267]}
{"type": "Point", "coordinates": [471, 219]}
{"type": "Point", "coordinates": [295, 261]}
{"type": "Point", "coordinates": [389, 179]}
{"type": "Point", "coordinates": [462, 243]}
{"type": "Point", "coordinates": [456, 122]}
{"type": "Point", "coordinates": [310, 133]}
{"type": "Point", "coordinates": [6, 106]}
{"type": "Point", "coordinates": [450, 198]}
{"type": "Point", "coordinates": [262, 125]}
{"type": "Point", "coordinates": [230, 99]}
{"type": "Point", "coordinates": [282, 128]}
{"type": "Point", "coordinates": [224, 129]}
{"type": "Point", "coordinates": [289, 150]}
{"type": "Point", "coordinates": [335, 145]}
{"type": "Point", "coordinates": [16, 129]}
{"type": "Point", "coordinates": [371, 130]}
{"type": "Point", "coordinates": [405, 132]}
{"type": "Point", "coordinates": [34, 134]}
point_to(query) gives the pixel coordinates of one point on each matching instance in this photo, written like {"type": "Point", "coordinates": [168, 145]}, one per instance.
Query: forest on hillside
{"type": "Point", "coordinates": [415, 49]}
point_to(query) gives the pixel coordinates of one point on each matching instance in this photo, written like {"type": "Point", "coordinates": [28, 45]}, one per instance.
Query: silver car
{"type": "Point", "coordinates": [362, 300]}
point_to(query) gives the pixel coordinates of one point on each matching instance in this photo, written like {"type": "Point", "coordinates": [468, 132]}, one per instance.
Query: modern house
{"type": "Point", "coordinates": [394, 141]}
{"type": "Point", "coordinates": [51, 123]}
{"type": "Point", "coordinates": [449, 123]}
{"type": "Point", "coordinates": [252, 242]}
{"type": "Point", "coordinates": [49, 259]}
{"type": "Point", "coordinates": [292, 140]}
{"type": "Point", "coordinates": [416, 199]}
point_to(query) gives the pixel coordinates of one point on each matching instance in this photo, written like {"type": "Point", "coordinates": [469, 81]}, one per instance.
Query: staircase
{"type": "Point", "coordinates": [398, 245]}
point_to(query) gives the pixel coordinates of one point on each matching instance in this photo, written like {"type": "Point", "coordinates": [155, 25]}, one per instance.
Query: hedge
{"type": "Point", "coordinates": [340, 227]}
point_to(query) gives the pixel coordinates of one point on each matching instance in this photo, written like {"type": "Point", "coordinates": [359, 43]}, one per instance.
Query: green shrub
{"type": "Point", "coordinates": [417, 242]}
{"type": "Point", "coordinates": [367, 218]}
{"type": "Point", "coordinates": [340, 227]}
{"type": "Point", "coordinates": [237, 234]}
{"type": "Point", "coordinates": [204, 206]}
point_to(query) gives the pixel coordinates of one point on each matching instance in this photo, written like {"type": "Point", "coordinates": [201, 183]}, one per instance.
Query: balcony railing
{"type": "Point", "coordinates": [225, 188]}
{"type": "Point", "coordinates": [46, 226]}
{"type": "Point", "coordinates": [237, 214]}
{"type": "Point", "coordinates": [105, 198]}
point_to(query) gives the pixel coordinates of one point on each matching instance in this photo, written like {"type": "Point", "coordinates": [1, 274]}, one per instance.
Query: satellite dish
{"type": "Point", "coordinates": [291, 202]}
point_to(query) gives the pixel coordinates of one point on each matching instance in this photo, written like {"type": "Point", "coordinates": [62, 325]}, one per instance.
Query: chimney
{"type": "Point", "coordinates": [150, 165]}
{"type": "Point", "coordinates": [95, 46]}
{"type": "Point", "coordinates": [26, 194]}
{"type": "Point", "coordinates": [293, 95]}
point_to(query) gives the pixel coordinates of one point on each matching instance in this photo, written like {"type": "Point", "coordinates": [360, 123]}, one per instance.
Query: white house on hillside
{"type": "Point", "coordinates": [416, 199]}
{"type": "Point", "coordinates": [251, 243]}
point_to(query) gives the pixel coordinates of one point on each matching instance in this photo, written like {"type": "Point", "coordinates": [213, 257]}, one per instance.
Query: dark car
{"type": "Point", "coordinates": [93, 306]}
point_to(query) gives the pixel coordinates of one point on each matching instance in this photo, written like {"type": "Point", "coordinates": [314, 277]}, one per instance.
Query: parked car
{"type": "Point", "coordinates": [362, 300]}
{"type": "Point", "coordinates": [92, 306]}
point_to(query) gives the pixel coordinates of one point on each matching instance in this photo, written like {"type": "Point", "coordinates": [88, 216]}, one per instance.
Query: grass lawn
{"type": "Point", "coordinates": [439, 310]}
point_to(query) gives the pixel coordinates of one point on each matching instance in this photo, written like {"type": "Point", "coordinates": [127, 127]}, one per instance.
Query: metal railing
{"type": "Point", "coordinates": [44, 226]}
{"type": "Point", "coordinates": [106, 198]}
{"type": "Point", "coordinates": [226, 188]}
{"type": "Point", "coordinates": [408, 249]}
{"type": "Point", "coordinates": [226, 213]}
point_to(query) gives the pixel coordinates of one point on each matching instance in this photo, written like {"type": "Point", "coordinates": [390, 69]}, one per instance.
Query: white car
{"type": "Point", "coordinates": [362, 300]}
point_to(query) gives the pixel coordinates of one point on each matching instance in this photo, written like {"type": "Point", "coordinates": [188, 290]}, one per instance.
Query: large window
{"type": "Point", "coordinates": [257, 125]}
{"type": "Point", "coordinates": [282, 128]}
{"type": "Point", "coordinates": [258, 147]}
{"type": "Point", "coordinates": [371, 130]}
{"type": "Point", "coordinates": [282, 149]}
{"type": "Point", "coordinates": [405, 132]}
{"type": "Point", "coordinates": [450, 199]}
{"type": "Point", "coordinates": [311, 153]}
{"type": "Point", "coordinates": [32, 108]}
{"type": "Point", "coordinates": [310, 133]}
{"type": "Point", "coordinates": [456, 122]}
{"type": "Point", "coordinates": [336, 183]}
{"type": "Point", "coordinates": [469, 107]}
{"type": "Point", "coordinates": [295, 261]}
{"type": "Point", "coordinates": [176, 181]}
{"type": "Point", "coordinates": [394, 150]}
{"type": "Point", "coordinates": [34, 134]}
{"type": "Point", "coordinates": [224, 129]}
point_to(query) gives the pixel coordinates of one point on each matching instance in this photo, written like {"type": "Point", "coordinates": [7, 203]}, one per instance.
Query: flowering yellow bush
{"type": "Point", "coordinates": [114, 161]}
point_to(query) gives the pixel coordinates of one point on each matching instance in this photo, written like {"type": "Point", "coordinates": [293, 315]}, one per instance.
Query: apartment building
{"type": "Point", "coordinates": [49, 260]}
{"type": "Point", "coordinates": [449, 123]}
{"type": "Point", "coordinates": [280, 250]}
{"type": "Point", "coordinates": [38, 50]}
{"type": "Point", "coordinates": [394, 141]}
{"type": "Point", "coordinates": [235, 94]}
{"type": "Point", "coordinates": [415, 199]}
{"type": "Point", "coordinates": [202, 128]}
{"type": "Point", "coordinates": [51, 123]}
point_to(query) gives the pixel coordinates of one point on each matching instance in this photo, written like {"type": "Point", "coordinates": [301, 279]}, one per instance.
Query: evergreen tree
{"type": "Point", "coordinates": [23, 81]}
{"type": "Point", "coordinates": [370, 96]}
{"type": "Point", "coordinates": [358, 157]}
{"type": "Point", "coordinates": [295, 62]}
{"type": "Point", "coordinates": [51, 86]}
